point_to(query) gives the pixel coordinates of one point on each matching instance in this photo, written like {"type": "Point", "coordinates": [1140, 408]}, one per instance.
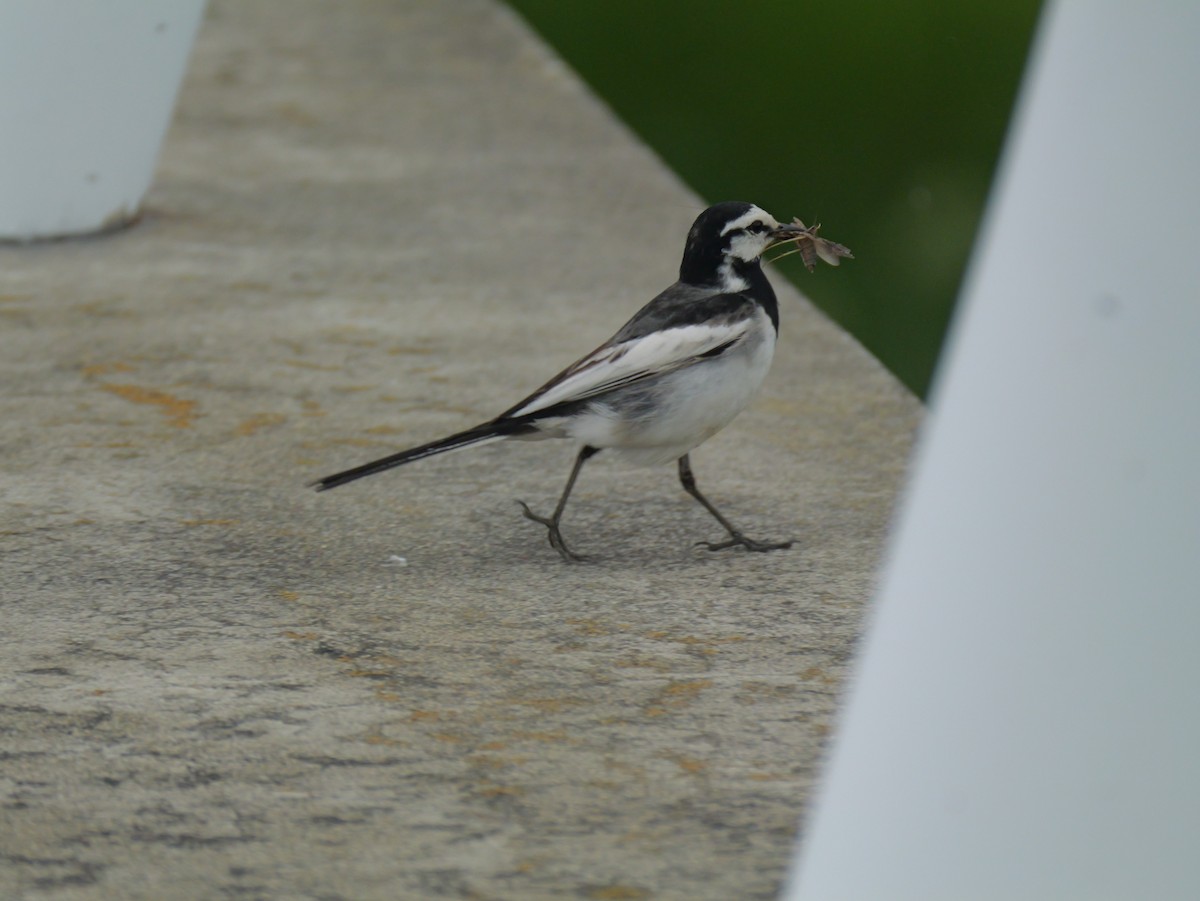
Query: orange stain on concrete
{"type": "Point", "coordinates": [106, 368]}
{"type": "Point", "coordinates": [259, 421]}
{"type": "Point", "coordinates": [179, 412]}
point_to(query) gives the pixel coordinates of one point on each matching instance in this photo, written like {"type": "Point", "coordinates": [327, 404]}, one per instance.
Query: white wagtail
{"type": "Point", "coordinates": [674, 375]}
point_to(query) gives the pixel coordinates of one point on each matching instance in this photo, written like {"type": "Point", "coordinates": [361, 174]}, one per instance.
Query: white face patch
{"type": "Point", "coordinates": [746, 245]}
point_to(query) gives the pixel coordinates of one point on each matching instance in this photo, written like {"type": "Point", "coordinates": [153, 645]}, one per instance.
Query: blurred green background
{"type": "Point", "coordinates": [882, 120]}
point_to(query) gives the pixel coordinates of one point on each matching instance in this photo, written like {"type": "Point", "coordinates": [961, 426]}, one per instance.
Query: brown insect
{"type": "Point", "coordinates": [812, 247]}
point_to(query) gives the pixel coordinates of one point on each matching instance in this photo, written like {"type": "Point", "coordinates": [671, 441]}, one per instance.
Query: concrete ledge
{"type": "Point", "coordinates": [376, 223]}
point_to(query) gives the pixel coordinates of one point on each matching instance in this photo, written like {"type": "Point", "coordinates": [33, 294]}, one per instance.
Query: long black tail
{"type": "Point", "coordinates": [480, 434]}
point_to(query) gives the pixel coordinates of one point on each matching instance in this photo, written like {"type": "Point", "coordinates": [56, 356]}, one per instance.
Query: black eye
{"type": "Point", "coordinates": [758, 227]}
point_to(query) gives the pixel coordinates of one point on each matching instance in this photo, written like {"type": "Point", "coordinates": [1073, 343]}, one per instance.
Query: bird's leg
{"type": "Point", "coordinates": [735, 537]}
{"type": "Point", "coordinates": [555, 536]}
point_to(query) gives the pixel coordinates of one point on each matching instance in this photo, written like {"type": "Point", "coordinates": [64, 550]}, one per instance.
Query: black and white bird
{"type": "Point", "coordinates": [674, 375]}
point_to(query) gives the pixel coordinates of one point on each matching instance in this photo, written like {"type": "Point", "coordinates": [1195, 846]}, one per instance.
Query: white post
{"type": "Point", "coordinates": [87, 88]}
{"type": "Point", "coordinates": [1025, 721]}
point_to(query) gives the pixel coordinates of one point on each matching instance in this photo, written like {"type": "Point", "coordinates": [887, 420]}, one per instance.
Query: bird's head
{"type": "Point", "coordinates": [726, 242]}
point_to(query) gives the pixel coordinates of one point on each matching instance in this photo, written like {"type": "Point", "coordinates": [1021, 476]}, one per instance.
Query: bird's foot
{"type": "Point", "coordinates": [555, 536]}
{"type": "Point", "coordinates": [737, 539]}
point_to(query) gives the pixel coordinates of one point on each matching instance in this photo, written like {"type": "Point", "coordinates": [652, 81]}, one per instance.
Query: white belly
{"type": "Point", "coordinates": [663, 418]}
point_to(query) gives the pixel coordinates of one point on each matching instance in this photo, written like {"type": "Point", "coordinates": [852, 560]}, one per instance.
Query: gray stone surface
{"type": "Point", "coordinates": [375, 223]}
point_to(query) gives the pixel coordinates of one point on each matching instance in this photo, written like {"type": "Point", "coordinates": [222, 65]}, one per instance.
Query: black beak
{"type": "Point", "coordinates": [789, 232]}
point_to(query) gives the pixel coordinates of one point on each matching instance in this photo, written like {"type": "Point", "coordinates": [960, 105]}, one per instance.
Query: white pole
{"type": "Point", "coordinates": [86, 94]}
{"type": "Point", "coordinates": [1025, 721]}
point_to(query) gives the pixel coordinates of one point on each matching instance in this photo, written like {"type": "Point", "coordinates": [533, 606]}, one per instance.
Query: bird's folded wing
{"type": "Point", "coordinates": [615, 365]}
